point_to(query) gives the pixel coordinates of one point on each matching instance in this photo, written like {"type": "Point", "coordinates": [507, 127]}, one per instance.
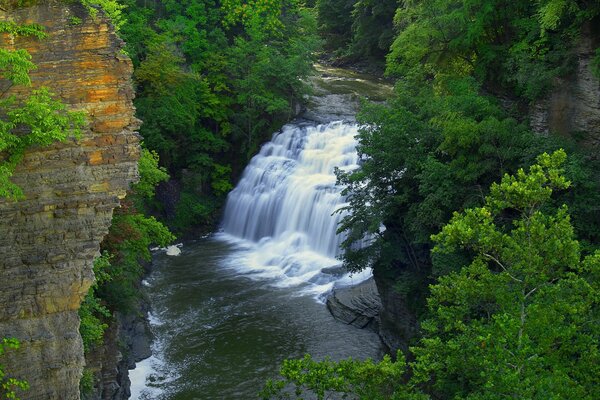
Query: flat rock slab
{"type": "Point", "coordinates": [356, 305]}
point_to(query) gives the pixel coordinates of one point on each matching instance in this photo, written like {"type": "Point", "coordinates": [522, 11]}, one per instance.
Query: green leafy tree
{"type": "Point", "coordinates": [432, 150]}
{"type": "Point", "coordinates": [151, 174]}
{"type": "Point", "coordinates": [520, 320]}
{"type": "Point", "coordinates": [112, 8]}
{"type": "Point", "coordinates": [364, 380]}
{"type": "Point", "coordinates": [335, 22]}
{"type": "Point", "coordinates": [508, 45]}
{"type": "Point", "coordinates": [373, 28]}
{"type": "Point", "coordinates": [92, 312]}
{"type": "Point", "coordinates": [9, 385]}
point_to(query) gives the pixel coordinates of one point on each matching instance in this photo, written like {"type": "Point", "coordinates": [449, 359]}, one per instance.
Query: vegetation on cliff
{"type": "Point", "coordinates": [8, 384]}
{"type": "Point", "coordinates": [118, 269]}
{"type": "Point", "coordinates": [34, 120]}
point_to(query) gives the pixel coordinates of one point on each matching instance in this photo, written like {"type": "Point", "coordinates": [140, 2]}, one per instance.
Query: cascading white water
{"type": "Point", "coordinates": [284, 207]}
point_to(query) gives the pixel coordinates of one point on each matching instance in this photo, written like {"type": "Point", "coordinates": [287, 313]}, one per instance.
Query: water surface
{"type": "Point", "coordinates": [221, 332]}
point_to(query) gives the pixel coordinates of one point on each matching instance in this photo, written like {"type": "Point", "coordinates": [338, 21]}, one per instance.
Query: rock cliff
{"type": "Point", "coordinates": [573, 107]}
{"type": "Point", "coordinates": [48, 240]}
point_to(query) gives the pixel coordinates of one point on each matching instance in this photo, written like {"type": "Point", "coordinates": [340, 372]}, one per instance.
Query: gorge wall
{"type": "Point", "coordinates": [48, 240]}
{"type": "Point", "coordinates": [573, 106]}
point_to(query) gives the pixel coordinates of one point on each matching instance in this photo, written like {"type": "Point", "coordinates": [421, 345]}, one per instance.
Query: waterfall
{"type": "Point", "coordinates": [284, 207]}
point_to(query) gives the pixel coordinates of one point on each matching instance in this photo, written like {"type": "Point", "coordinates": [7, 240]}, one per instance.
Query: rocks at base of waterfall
{"type": "Point", "coordinates": [335, 270]}
{"type": "Point", "coordinates": [358, 305]}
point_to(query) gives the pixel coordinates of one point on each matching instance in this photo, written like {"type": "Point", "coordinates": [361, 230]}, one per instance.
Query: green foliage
{"type": "Point", "coordinates": [150, 174]}
{"type": "Point", "coordinates": [596, 64]}
{"type": "Point", "coordinates": [372, 28]}
{"type": "Point", "coordinates": [112, 8]}
{"type": "Point", "coordinates": [220, 181]}
{"type": "Point", "coordinates": [117, 269]}
{"type": "Point", "coordinates": [12, 28]}
{"type": "Point", "coordinates": [214, 80]}
{"type": "Point", "coordinates": [86, 384]}
{"type": "Point", "coordinates": [75, 21]}
{"type": "Point", "coordinates": [517, 45]}
{"type": "Point", "coordinates": [9, 385]}
{"type": "Point", "coordinates": [334, 17]}
{"type": "Point", "coordinates": [431, 151]}
{"type": "Point", "coordinates": [266, 78]}
{"type": "Point", "coordinates": [44, 121]}
{"type": "Point", "coordinates": [365, 380]}
{"type": "Point", "coordinates": [357, 29]}
{"type": "Point", "coordinates": [92, 313]}
{"type": "Point", "coordinates": [444, 138]}
{"type": "Point", "coordinates": [194, 209]}
{"type": "Point", "coordinates": [35, 120]}
{"type": "Point", "coordinates": [517, 321]}
{"type": "Point", "coordinates": [128, 241]}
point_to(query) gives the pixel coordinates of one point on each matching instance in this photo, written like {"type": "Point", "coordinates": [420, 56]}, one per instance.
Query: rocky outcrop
{"type": "Point", "coordinates": [375, 304]}
{"type": "Point", "coordinates": [357, 305]}
{"type": "Point", "coordinates": [48, 240]}
{"type": "Point", "coordinates": [126, 341]}
{"type": "Point", "coordinates": [397, 321]}
{"type": "Point", "coordinates": [573, 107]}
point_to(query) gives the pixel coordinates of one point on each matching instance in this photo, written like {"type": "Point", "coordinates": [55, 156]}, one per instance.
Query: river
{"type": "Point", "coordinates": [234, 305]}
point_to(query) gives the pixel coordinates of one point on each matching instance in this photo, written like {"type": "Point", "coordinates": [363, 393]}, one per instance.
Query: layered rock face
{"type": "Point", "coordinates": [48, 240]}
{"type": "Point", "coordinates": [573, 107]}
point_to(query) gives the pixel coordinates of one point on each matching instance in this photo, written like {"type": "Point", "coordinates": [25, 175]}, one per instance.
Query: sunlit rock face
{"type": "Point", "coordinates": [48, 240]}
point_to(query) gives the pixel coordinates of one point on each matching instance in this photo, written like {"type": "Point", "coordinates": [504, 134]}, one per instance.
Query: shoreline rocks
{"type": "Point", "coordinates": [357, 305]}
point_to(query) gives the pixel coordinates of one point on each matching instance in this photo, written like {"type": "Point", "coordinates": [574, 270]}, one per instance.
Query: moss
{"type": "Point", "coordinates": [86, 383]}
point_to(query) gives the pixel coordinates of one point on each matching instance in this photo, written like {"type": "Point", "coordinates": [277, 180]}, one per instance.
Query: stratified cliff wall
{"type": "Point", "coordinates": [48, 240]}
{"type": "Point", "coordinates": [573, 107]}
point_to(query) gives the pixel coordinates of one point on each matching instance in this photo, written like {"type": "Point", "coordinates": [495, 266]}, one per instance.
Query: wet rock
{"type": "Point", "coordinates": [357, 305]}
{"type": "Point", "coordinates": [336, 270]}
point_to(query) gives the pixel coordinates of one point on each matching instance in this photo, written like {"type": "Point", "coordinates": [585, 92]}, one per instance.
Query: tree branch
{"type": "Point", "coordinates": [502, 266]}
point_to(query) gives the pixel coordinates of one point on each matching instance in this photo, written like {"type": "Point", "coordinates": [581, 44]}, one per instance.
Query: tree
{"type": "Point", "coordinates": [112, 8]}
{"type": "Point", "coordinates": [516, 46]}
{"type": "Point", "coordinates": [364, 380]}
{"type": "Point", "coordinates": [335, 22]}
{"type": "Point", "coordinates": [433, 150]}
{"type": "Point", "coordinates": [521, 320]}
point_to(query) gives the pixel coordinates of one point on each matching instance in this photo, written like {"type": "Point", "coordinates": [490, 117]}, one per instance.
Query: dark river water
{"type": "Point", "coordinates": [220, 333]}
